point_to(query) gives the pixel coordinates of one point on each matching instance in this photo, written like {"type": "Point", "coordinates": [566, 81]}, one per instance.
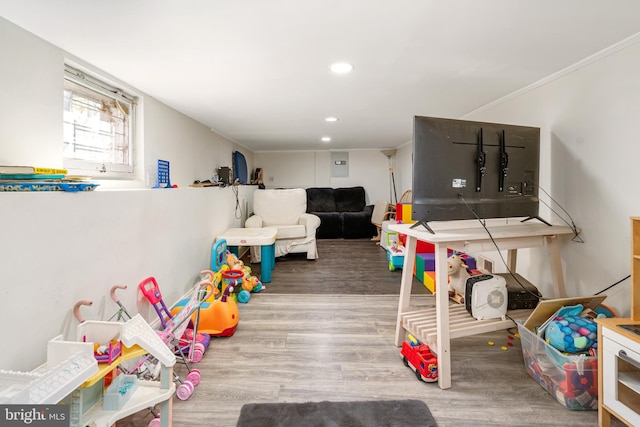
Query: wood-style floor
{"type": "Point", "coordinates": [306, 339]}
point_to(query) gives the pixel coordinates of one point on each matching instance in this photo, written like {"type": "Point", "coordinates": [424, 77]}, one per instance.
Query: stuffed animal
{"type": "Point", "coordinates": [458, 275]}
{"type": "Point", "coordinates": [570, 332]}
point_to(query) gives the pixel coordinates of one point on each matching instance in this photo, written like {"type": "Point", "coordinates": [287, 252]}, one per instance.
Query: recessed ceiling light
{"type": "Point", "coordinates": [326, 139]}
{"type": "Point", "coordinates": [341, 67]}
{"type": "Point", "coordinates": [331, 119]}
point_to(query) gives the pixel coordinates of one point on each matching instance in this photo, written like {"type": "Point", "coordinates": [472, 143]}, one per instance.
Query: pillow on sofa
{"type": "Point", "coordinates": [321, 199]}
{"type": "Point", "coordinates": [351, 199]}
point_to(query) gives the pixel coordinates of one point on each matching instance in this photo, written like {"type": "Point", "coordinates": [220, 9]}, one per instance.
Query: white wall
{"type": "Point", "coordinates": [57, 248]}
{"type": "Point", "coordinates": [194, 151]}
{"type": "Point", "coordinates": [404, 168]}
{"type": "Point", "coordinates": [31, 110]}
{"type": "Point", "coordinates": [367, 168]}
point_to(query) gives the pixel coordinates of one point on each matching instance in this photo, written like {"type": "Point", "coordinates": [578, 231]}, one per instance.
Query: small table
{"type": "Point", "coordinates": [465, 236]}
{"type": "Point", "coordinates": [263, 237]}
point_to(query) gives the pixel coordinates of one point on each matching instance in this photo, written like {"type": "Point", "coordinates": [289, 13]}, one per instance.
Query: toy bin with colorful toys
{"type": "Point", "coordinates": [395, 250]}
{"type": "Point", "coordinates": [571, 378]}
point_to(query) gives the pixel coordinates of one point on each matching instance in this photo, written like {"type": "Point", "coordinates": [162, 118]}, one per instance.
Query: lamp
{"type": "Point", "coordinates": [392, 181]}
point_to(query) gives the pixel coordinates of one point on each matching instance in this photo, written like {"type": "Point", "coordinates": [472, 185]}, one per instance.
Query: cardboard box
{"type": "Point", "coordinates": [547, 308]}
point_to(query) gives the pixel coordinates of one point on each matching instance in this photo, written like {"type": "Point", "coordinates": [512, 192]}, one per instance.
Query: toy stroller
{"type": "Point", "coordinates": [194, 344]}
{"type": "Point", "coordinates": [148, 368]}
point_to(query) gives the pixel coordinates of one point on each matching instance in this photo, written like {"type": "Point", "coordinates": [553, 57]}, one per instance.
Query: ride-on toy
{"type": "Point", "coordinates": [219, 317]}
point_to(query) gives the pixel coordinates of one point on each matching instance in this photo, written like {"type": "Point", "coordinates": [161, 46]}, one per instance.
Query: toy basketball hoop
{"type": "Point", "coordinates": [232, 275]}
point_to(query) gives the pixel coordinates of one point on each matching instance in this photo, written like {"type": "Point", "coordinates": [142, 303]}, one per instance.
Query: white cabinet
{"type": "Point", "coordinates": [619, 353]}
{"type": "Point", "coordinates": [620, 358]}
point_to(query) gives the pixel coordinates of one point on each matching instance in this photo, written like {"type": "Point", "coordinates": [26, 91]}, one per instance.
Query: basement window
{"type": "Point", "coordinates": [98, 123]}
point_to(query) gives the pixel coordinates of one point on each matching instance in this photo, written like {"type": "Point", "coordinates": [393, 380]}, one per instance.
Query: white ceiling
{"type": "Point", "coordinates": [257, 71]}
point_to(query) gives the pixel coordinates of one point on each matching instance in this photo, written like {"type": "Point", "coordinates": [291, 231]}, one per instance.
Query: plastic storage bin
{"type": "Point", "coordinates": [120, 390]}
{"type": "Point", "coordinates": [571, 379]}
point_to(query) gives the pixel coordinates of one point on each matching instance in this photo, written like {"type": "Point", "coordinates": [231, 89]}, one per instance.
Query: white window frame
{"type": "Point", "coordinates": [104, 170]}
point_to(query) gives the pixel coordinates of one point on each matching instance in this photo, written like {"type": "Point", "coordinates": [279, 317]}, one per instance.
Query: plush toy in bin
{"type": "Point", "coordinates": [570, 332]}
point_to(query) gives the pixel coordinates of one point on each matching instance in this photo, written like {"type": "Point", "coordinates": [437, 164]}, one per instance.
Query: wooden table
{"type": "Point", "coordinates": [263, 237]}
{"type": "Point", "coordinates": [435, 327]}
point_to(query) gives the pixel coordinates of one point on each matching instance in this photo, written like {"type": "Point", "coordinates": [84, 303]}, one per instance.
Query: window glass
{"type": "Point", "coordinates": [97, 126]}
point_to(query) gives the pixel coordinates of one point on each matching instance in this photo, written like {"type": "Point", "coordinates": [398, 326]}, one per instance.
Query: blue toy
{"type": "Point", "coordinates": [571, 333]}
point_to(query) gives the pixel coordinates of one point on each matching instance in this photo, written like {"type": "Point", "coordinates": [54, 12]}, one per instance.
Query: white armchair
{"type": "Point", "coordinates": [286, 211]}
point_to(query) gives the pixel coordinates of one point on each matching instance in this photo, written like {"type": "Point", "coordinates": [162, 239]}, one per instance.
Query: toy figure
{"type": "Point", "coordinates": [458, 275]}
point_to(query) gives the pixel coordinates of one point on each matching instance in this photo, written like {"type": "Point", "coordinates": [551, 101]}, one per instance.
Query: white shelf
{"type": "Point", "coordinates": [422, 324]}
{"type": "Point", "coordinates": [631, 380]}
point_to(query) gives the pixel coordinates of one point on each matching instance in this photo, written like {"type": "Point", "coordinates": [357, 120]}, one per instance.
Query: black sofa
{"type": "Point", "coordinates": [343, 212]}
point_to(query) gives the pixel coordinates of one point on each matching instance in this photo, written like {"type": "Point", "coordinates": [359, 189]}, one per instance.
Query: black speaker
{"type": "Point", "coordinates": [520, 297]}
{"type": "Point", "coordinates": [225, 175]}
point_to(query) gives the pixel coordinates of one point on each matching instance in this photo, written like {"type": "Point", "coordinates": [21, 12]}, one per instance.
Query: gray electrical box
{"type": "Point", "coordinates": [340, 164]}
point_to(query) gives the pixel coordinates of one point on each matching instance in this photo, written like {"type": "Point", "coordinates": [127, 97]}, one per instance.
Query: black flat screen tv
{"type": "Point", "coordinates": [465, 170]}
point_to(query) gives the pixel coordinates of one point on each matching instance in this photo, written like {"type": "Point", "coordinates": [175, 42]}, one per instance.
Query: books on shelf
{"type": "Point", "coordinates": [46, 186]}
{"type": "Point", "coordinates": [30, 177]}
{"type": "Point", "coordinates": [17, 170]}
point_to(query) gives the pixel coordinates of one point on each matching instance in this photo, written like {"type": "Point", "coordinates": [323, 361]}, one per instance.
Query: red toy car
{"type": "Point", "coordinates": [420, 358]}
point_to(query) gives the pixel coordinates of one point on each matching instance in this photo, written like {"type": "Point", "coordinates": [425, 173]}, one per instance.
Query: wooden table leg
{"type": "Point", "coordinates": [557, 278]}
{"type": "Point", "coordinates": [442, 318]}
{"type": "Point", "coordinates": [512, 259]}
{"type": "Point", "coordinates": [405, 287]}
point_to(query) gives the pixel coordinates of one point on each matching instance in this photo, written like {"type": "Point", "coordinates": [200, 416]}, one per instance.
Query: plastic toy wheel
{"type": "Point", "coordinates": [418, 376]}
{"type": "Point", "coordinates": [244, 296]}
{"type": "Point", "coordinates": [197, 355]}
{"type": "Point", "coordinates": [155, 422]}
{"type": "Point", "coordinates": [405, 361]}
{"type": "Point", "coordinates": [184, 391]}
{"type": "Point", "coordinates": [194, 377]}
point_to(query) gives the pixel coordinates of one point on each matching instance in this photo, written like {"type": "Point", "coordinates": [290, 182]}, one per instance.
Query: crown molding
{"type": "Point", "coordinates": [623, 44]}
